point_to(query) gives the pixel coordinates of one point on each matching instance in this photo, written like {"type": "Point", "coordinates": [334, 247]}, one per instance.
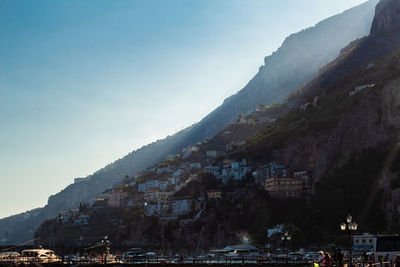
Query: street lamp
{"type": "Point", "coordinates": [349, 227]}
{"type": "Point", "coordinates": [286, 237]}
{"type": "Point", "coordinates": [145, 209]}
{"type": "Point", "coordinates": [106, 242]}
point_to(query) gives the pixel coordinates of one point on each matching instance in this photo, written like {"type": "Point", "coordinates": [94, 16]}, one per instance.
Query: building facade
{"type": "Point", "coordinates": [116, 198]}
{"type": "Point", "coordinates": [284, 187]}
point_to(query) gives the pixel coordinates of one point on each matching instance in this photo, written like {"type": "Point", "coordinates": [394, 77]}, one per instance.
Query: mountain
{"type": "Point", "coordinates": [325, 135]}
{"type": "Point", "coordinates": [387, 19]}
{"type": "Point", "coordinates": [342, 126]}
{"type": "Point", "coordinates": [294, 63]}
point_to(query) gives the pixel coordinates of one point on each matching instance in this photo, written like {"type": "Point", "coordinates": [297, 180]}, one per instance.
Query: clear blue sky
{"type": "Point", "coordinates": [82, 83]}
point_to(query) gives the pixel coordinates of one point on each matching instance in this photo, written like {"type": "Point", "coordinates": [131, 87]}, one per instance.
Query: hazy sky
{"type": "Point", "coordinates": [82, 83]}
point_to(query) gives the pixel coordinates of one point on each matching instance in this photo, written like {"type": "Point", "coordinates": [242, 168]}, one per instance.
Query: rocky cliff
{"type": "Point", "coordinates": [387, 18]}
{"type": "Point", "coordinates": [357, 108]}
{"type": "Point", "coordinates": [298, 59]}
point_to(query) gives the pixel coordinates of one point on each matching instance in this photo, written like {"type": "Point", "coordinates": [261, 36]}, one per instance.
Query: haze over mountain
{"type": "Point", "coordinates": [342, 128]}
{"type": "Point", "coordinates": [77, 79]}
{"type": "Point", "coordinates": [295, 62]}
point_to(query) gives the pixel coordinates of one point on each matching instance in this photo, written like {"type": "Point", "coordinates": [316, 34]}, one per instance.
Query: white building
{"type": "Point", "coordinates": [178, 172]}
{"type": "Point", "coordinates": [215, 170]}
{"type": "Point", "coordinates": [163, 185]}
{"type": "Point", "coordinates": [156, 208]}
{"type": "Point", "coordinates": [194, 148]}
{"type": "Point", "coordinates": [174, 180]}
{"type": "Point", "coordinates": [152, 184]}
{"type": "Point", "coordinates": [235, 165]}
{"type": "Point", "coordinates": [181, 205]}
{"type": "Point", "coordinates": [195, 165]}
{"type": "Point", "coordinates": [142, 187]}
{"type": "Point", "coordinates": [364, 241]}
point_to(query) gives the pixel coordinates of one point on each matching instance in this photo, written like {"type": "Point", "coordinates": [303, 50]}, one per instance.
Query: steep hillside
{"type": "Point", "coordinates": [299, 59]}
{"type": "Point", "coordinates": [343, 127]}
{"type": "Point", "coordinates": [356, 108]}
{"type": "Point", "coordinates": [294, 63]}
{"type": "Point", "coordinates": [345, 121]}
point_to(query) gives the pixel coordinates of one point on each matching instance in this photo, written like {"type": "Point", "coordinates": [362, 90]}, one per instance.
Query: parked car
{"type": "Point", "coordinates": [311, 256]}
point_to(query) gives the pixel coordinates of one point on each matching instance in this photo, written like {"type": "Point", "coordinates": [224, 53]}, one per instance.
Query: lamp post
{"type": "Point", "coordinates": [286, 237]}
{"type": "Point", "coordinates": [144, 209]}
{"type": "Point", "coordinates": [349, 226]}
{"type": "Point", "coordinates": [106, 242]}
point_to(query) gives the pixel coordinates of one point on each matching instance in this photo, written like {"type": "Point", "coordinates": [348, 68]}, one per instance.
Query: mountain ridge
{"type": "Point", "coordinates": [348, 133]}
{"type": "Point", "coordinates": [271, 84]}
{"type": "Point", "coordinates": [356, 113]}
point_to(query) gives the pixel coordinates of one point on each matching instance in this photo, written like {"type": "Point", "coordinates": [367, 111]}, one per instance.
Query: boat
{"type": "Point", "coordinates": [134, 255]}
{"type": "Point", "coordinates": [9, 256]}
{"type": "Point", "coordinates": [39, 255]}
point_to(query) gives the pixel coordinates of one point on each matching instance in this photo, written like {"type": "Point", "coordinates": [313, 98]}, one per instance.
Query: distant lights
{"type": "Point", "coordinates": [286, 236]}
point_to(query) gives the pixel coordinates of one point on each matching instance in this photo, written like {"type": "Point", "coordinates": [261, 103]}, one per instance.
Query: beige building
{"type": "Point", "coordinates": [214, 194]}
{"type": "Point", "coordinates": [284, 187]}
{"type": "Point", "coordinates": [156, 195]}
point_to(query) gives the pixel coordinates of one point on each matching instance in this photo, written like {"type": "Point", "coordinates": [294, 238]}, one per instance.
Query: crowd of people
{"type": "Point", "coordinates": [324, 259]}
{"type": "Point", "coordinates": [338, 258]}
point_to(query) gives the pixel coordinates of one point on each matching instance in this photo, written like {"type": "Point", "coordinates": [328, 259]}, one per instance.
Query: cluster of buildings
{"type": "Point", "coordinates": [157, 195]}
{"type": "Point", "coordinates": [260, 116]}
{"type": "Point", "coordinates": [230, 170]}
{"type": "Point", "coordinates": [276, 178]}
{"type": "Point", "coordinates": [173, 206]}
{"type": "Point", "coordinates": [66, 215]}
{"type": "Point", "coordinates": [281, 182]}
{"type": "Point", "coordinates": [74, 216]}
{"type": "Point", "coordinates": [160, 203]}
{"type": "Point", "coordinates": [159, 185]}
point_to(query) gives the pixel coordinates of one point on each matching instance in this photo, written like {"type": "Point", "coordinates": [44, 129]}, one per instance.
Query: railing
{"type": "Point", "coordinates": [232, 260]}
{"type": "Point", "coordinates": [273, 260]}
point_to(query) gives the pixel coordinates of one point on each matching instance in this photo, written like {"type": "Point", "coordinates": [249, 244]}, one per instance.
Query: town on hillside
{"type": "Point", "coordinates": [159, 190]}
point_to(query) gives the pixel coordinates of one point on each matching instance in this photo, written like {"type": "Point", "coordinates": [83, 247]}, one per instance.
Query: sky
{"type": "Point", "coordinates": [83, 83]}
